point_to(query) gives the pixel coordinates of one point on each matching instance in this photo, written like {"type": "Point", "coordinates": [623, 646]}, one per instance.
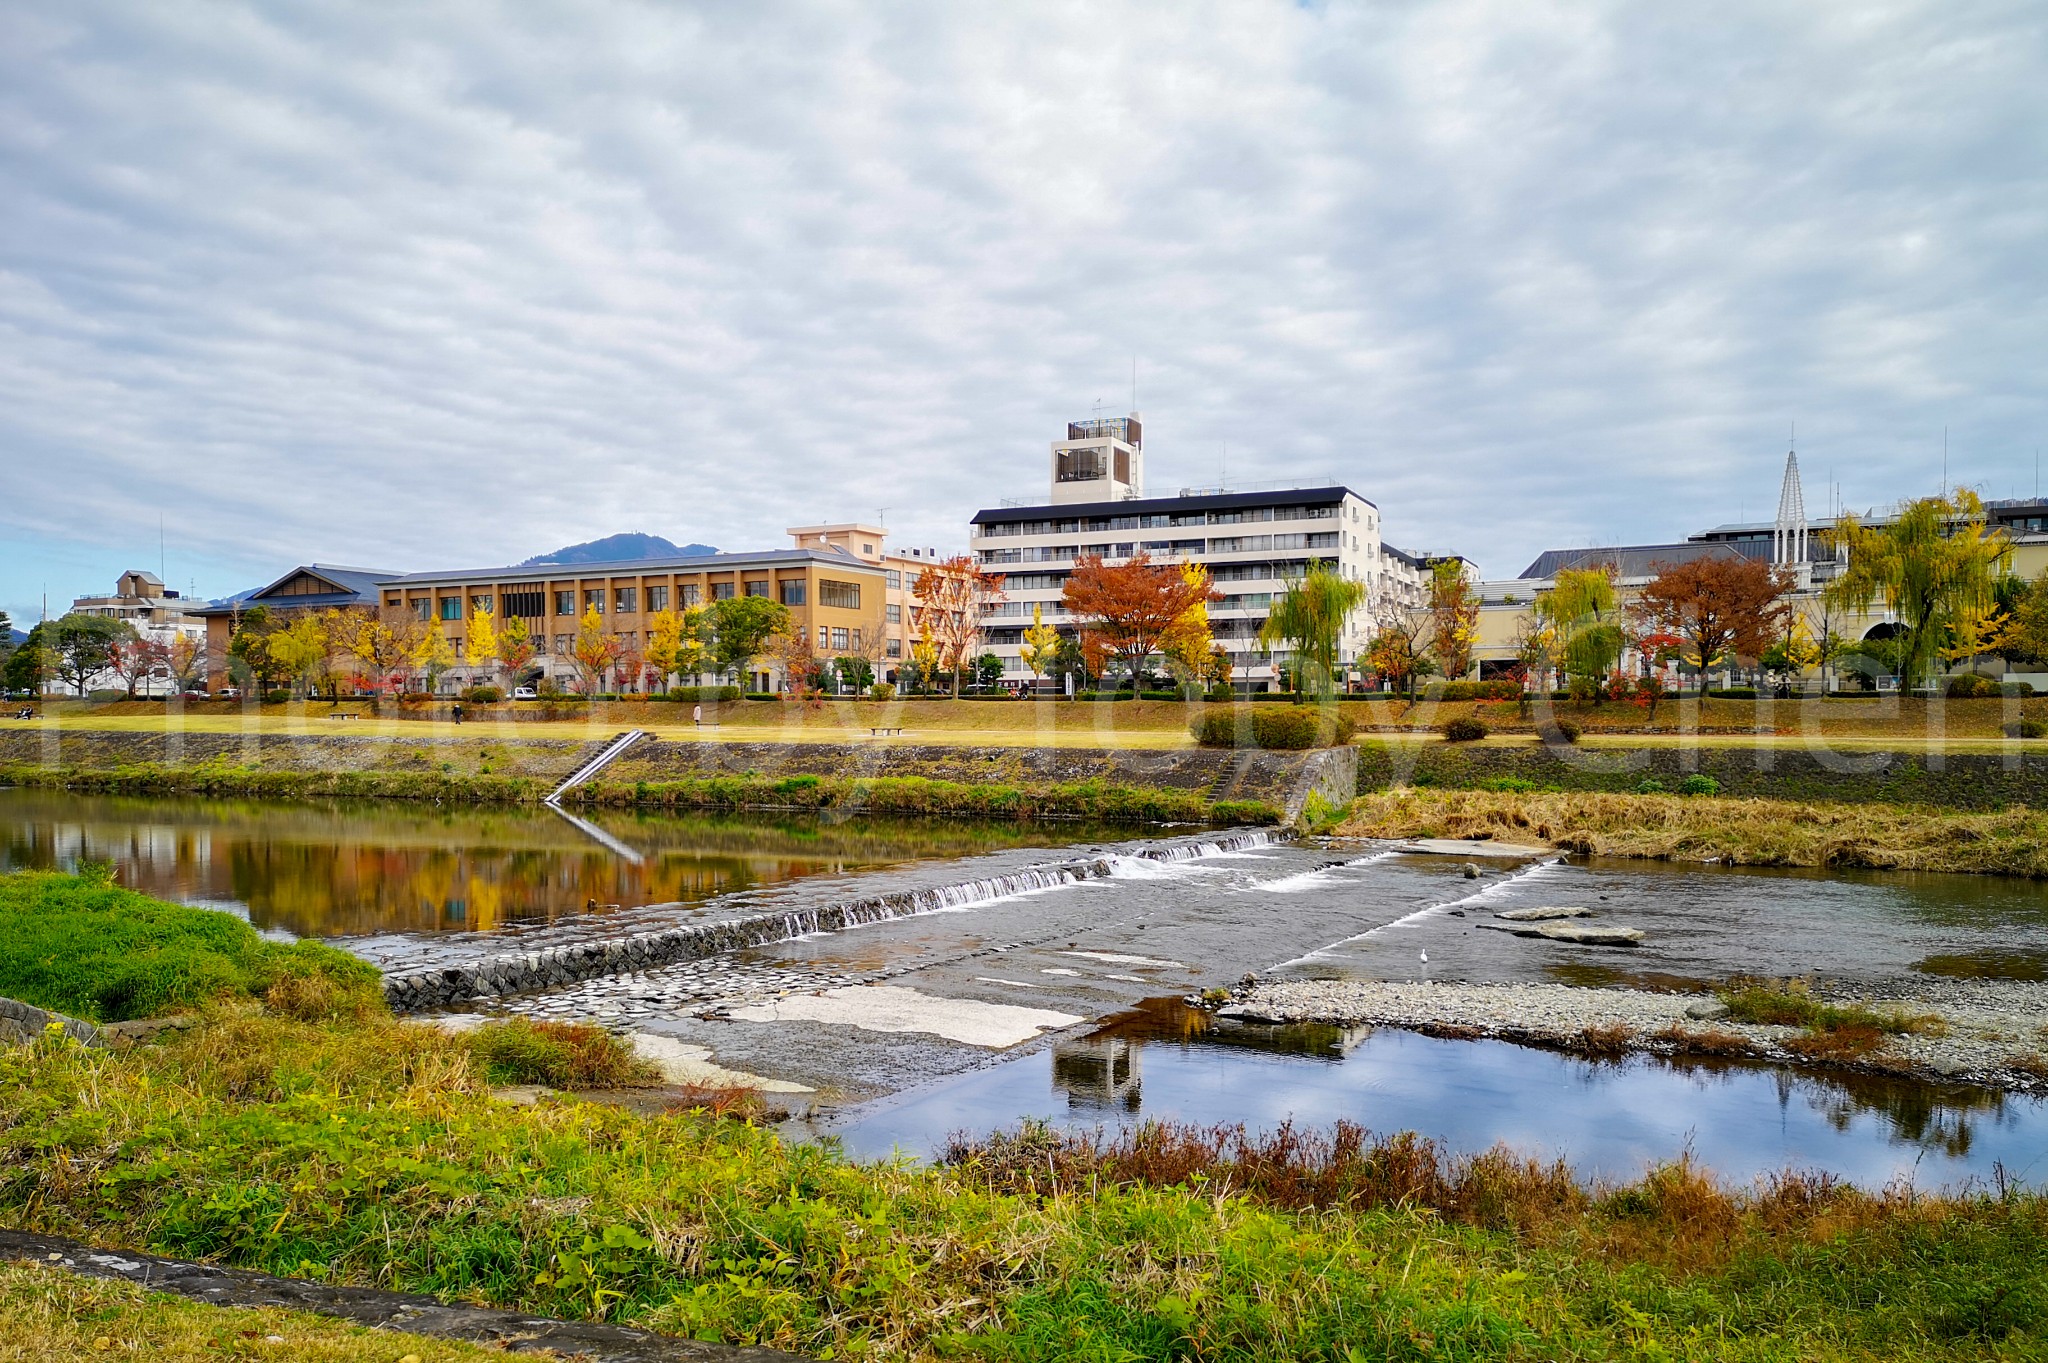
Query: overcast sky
{"type": "Point", "coordinates": [424, 286]}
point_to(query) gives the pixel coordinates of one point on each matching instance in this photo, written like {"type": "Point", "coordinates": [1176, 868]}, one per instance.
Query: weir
{"type": "Point", "coordinates": [549, 967]}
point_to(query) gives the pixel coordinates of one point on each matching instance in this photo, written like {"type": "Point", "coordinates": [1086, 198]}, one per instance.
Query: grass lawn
{"type": "Point", "coordinates": [50, 1316]}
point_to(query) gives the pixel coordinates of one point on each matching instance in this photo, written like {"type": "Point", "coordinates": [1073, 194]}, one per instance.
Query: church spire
{"type": "Point", "coordinates": [1788, 540]}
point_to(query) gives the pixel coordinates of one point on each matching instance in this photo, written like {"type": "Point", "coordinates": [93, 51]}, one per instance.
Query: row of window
{"type": "Point", "coordinates": [626, 600]}
{"type": "Point", "coordinates": [1239, 544]}
{"type": "Point", "coordinates": [1158, 521]}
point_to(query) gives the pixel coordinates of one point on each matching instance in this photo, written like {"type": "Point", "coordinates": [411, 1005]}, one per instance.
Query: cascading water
{"type": "Point", "coordinates": [518, 972]}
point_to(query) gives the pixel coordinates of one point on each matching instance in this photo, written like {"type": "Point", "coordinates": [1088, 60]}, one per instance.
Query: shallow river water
{"type": "Point", "coordinates": [987, 938]}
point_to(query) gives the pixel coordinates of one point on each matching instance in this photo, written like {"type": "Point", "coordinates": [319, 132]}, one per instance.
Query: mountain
{"type": "Point", "coordinates": [618, 549]}
{"type": "Point", "coordinates": [16, 637]}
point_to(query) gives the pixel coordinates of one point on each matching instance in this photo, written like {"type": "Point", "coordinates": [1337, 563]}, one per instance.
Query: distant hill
{"type": "Point", "coordinates": [619, 549]}
{"type": "Point", "coordinates": [16, 636]}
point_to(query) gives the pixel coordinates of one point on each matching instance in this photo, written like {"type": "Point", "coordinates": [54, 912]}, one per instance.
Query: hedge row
{"type": "Point", "coordinates": [1293, 728]}
{"type": "Point", "coordinates": [919, 795]}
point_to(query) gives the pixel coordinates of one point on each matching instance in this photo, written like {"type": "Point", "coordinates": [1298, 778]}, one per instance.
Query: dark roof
{"type": "Point", "coordinates": [1630, 560]}
{"type": "Point", "coordinates": [1167, 506]}
{"type": "Point", "coordinates": [353, 587]}
{"type": "Point", "coordinates": [543, 572]}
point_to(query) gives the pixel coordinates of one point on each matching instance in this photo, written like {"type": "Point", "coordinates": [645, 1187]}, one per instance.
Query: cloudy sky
{"type": "Point", "coordinates": [419, 286]}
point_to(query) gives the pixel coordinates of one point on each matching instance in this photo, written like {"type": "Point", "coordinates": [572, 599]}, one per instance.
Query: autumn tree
{"type": "Point", "coordinates": [516, 648]}
{"type": "Point", "coordinates": [1187, 642]}
{"type": "Point", "coordinates": [1126, 610]}
{"type": "Point", "coordinates": [1041, 644]}
{"type": "Point", "coordinates": [596, 648]}
{"type": "Point", "coordinates": [1309, 618]}
{"type": "Point", "coordinates": [186, 660]}
{"type": "Point", "coordinates": [1935, 565]}
{"type": "Point", "coordinates": [948, 598]}
{"type": "Point", "coordinates": [480, 639]}
{"type": "Point", "coordinates": [1453, 617]}
{"type": "Point", "coordinates": [2023, 629]}
{"type": "Point", "coordinates": [299, 647]}
{"type": "Point", "coordinates": [1720, 608]}
{"type": "Point", "coordinates": [384, 643]}
{"type": "Point", "coordinates": [675, 642]}
{"type": "Point", "coordinates": [135, 660]}
{"type": "Point", "coordinates": [1396, 655]}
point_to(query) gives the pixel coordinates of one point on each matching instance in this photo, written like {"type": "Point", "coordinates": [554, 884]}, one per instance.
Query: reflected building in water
{"type": "Point", "coordinates": [1098, 1073]}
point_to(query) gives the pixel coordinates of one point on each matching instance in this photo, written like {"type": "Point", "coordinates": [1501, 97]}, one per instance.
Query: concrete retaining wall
{"type": "Point", "coordinates": [25, 1022]}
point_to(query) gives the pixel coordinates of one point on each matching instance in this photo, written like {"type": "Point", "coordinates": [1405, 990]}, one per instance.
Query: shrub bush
{"type": "Point", "coordinates": [1476, 690]}
{"type": "Point", "coordinates": [1733, 693]}
{"type": "Point", "coordinates": [1465, 729]}
{"type": "Point", "coordinates": [1294, 728]}
{"type": "Point", "coordinates": [483, 695]}
{"type": "Point", "coordinates": [764, 695]}
{"type": "Point", "coordinates": [1968, 685]}
{"type": "Point", "coordinates": [2017, 689]}
{"type": "Point", "coordinates": [1557, 731]}
{"type": "Point", "coordinates": [276, 697]}
{"type": "Point", "coordinates": [1649, 785]}
{"type": "Point", "coordinates": [1514, 785]}
{"type": "Point", "coordinates": [691, 695]}
{"type": "Point", "coordinates": [1699, 784]}
{"type": "Point", "coordinates": [559, 1054]}
{"type": "Point", "coordinates": [2026, 728]}
{"type": "Point", "coordinates": [83, 946]}
{"type": "Point", "coordinates": [882, 691]}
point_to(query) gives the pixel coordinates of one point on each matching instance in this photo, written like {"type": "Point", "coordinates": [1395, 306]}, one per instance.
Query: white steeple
{"type": "Point", "coordinates": [1788, 540]}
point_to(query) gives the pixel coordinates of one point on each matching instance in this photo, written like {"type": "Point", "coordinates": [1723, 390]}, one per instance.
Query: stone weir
{"type": "Point", "coordinates": [551, 967]}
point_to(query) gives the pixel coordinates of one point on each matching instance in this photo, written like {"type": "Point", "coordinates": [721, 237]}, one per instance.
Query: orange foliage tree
{"type": "Point", "coordinates": [597, 648]}
{"type": "Point", "coordinates": [948, 601]}
{"type": "Point", "coordinates": [1717, 607]}
{"type": "Point", "coordinates": [1126, 610]}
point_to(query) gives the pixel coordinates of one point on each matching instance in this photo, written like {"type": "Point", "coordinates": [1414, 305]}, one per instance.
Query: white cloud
{"type": "Point", "coordinates": [462, 283]}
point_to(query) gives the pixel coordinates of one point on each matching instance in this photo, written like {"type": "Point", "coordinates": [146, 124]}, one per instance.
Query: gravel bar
{"type": "Point", "coordinates": [1997, 1039]}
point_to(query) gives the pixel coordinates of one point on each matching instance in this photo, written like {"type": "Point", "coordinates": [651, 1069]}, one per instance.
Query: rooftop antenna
{"type": "Point", "coordinates": [882, 515]}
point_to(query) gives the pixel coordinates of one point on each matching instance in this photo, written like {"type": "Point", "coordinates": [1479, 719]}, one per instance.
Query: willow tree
{"type": "Point", "coordinates": [1935, 565]}
{"type": "Point", "coordinates": [1583, 612]}
{"type": "Point", "coordinates": [1309, 619]}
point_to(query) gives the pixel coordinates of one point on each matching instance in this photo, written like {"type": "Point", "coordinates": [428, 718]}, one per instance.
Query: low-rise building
{"type": "Point", "coordinates": [900, 570]}
{"type": "Point", "coordinates": [156, 613]}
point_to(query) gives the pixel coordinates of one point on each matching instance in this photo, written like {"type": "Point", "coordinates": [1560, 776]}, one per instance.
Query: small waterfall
{"type": "Point", "coordinates": [546, 968]}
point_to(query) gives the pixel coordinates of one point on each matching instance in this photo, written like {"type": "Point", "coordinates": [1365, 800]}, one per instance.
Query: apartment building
{"type": "Point", "coordinates": [900, 569]}
{"type": "Point", "coordinates": [155, 612]}
{"type": "Point", "coordinates": [1253, 542]}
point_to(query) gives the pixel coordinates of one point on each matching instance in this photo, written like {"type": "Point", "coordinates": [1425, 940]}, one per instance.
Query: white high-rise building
{"type": "Point", "coordinates": [1253, 542]}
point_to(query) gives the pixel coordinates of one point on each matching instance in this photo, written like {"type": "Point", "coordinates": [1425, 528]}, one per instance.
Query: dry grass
{"type": "Point", "coordinates": [1740, 832]}
{"type": "Point", "coordinates": [1704, 1040]}
{"type": "Point", "coordinates": [48, 1316]}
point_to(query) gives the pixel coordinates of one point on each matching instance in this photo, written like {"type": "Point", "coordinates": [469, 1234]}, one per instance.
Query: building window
{"type": "Point", "coordinates": [895, 648]}
{"type": "Point", "coordinates": [451, 608]}
{"type": "Point", "coordinates": [563, 643]}
{"type": "Point", "coordinates": [757, 589]}
{"type": "Point", "coordinates": [839, 640]}
{"type": "Point", "coordinates": [892, 579]}
{"type": "Point", "coordinates": [1124, 550]}
{"type": "Point", "coordinates": [843, 595]}
{"type": "Point", "coordinates": [893, 613]}
{"type": "Point", "coordinates": [423, 607]}
{"type": "Point", "coordinates": [525, 605]}
{"type": "Point", "coordinates": [868, 549]}
{"type": "Point", "coordinates": [483, 605]}
{"type": "Point", "coordinates": [657, 598]}
{"type": "Point", "coordinates": [824, 636]}
{"type": "Point", "coordinates": [626, 600]}
{"type": "Point", "coordinates": [792, 591]}
{"type": "Point", "coordinates": [565, 603]}
{"type": "Point", "coordinates": [593, 599]}
{"type": "Point", "coordinates": [692, 593]}
{"type": "Point", "coordinates": [721, 591]}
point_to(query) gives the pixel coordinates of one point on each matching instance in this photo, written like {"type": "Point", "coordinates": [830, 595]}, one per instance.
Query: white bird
{"type": "Point", "coordinates": [1425, 958]}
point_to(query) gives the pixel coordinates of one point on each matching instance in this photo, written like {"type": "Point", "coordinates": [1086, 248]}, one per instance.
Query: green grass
{"type": "Point", "coordinates": [82, 946]}
{"type": "Point", "coordinates": [919, 795]}
{"type": "Point", "coordinates": [370, 1152]}
{"type": "Point", "coordinates": [1792, 1004]}
{"type": "Point", "coordinates": [559, 1054]}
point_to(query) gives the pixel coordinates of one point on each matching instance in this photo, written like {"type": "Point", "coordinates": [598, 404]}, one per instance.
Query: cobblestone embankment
{"type": "Point", "coordinates": [1994, 1033]}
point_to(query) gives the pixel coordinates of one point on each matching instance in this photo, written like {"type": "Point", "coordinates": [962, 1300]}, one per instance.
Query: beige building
{"type": "Point", "coordinates": [142, 602]}
{"type": "Point", "coordinates": [869, 544]}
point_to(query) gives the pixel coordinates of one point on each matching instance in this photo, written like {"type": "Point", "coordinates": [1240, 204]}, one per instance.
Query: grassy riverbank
{"type": "Point", "coordinates": [1738, 832]}
{"type": "Point", "coordinates": [372, 1153]}
{"type": "Point", "coordinates": [907, 795]}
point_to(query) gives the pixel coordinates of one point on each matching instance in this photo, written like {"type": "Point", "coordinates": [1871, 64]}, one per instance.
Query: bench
{"type": "Point", "coordinates": [884, 731]}
{"type": "Point", "coordinates": [339, 715]}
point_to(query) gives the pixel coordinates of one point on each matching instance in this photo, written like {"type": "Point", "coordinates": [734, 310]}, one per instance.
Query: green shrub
{"type": "Point", "coordinates": [1557, 731]}
{"type": "Point", "coordinates": [791, 785]}
{"type": "Point", "coordinates": [2026, 728]}
{"type": "Point", "coordinates": [2016, 689]}
{"type": "Point", "coordinates": [1293, 728]}
{"type": "Point", "coordinates": [1475, 690]}
{"type": "Point", "coordinates": [1733, 693]}
{"type": "Point", "coordinates": [276, 697]}
{"type": "Point", "coordinates": [1465, 730]}
{"type": "Point", "coordinates": [1518, 785]}
{"type": "Point", "coordinates": [105, 954]}
{"type": "Point", "coordinates": [882, 691]}
{"type": "Point", "coordinates": [558, 1054]}
{"type": "Point", "coordinates": [764, 695]}
{"type": "Point", "coordinates": [1649, 785]}
{"type": "Point", "coordinates": [691, 695]}
{"type": "Point", "coordinates": [1699, 784]}
{"type": "Point", "coordinates": [483, 695]}
{"type": "Point", "coordinates": [1969, 685]}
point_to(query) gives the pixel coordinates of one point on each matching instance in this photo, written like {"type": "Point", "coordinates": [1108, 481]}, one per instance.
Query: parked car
{"type": "Point", "coordinates": [525, 693]}
{"type": "Point", "coordinates": [228, 693]}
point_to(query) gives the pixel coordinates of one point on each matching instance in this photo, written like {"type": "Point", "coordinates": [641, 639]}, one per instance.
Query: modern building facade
{"type": "Point", "coordinates": [900, 570]}
{"type": "Point", "coordinates": [142, 602]}
{"type": "Point", "coordinates": [1252, 542]}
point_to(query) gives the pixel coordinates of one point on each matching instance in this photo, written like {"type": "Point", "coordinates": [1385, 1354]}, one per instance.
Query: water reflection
{"type": "Point", "coordinates": [1610, 1119]}
{"type": "Point", "coordinates": [357, 868]}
